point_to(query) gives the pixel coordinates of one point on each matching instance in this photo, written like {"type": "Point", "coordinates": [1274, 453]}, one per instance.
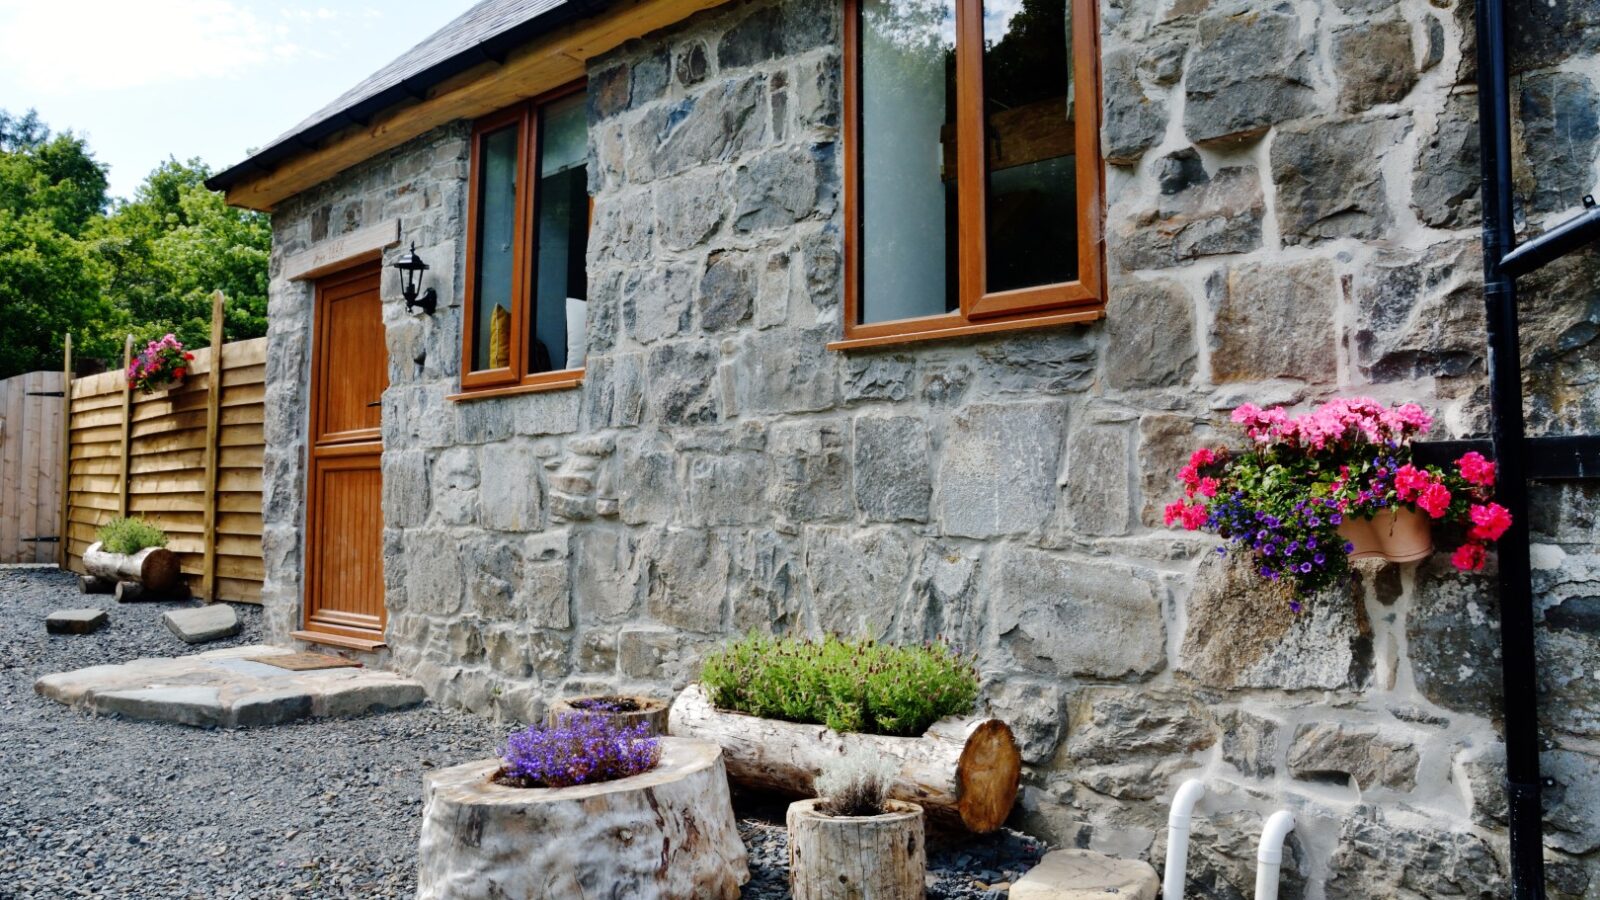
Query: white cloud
{"type": "Point", "coordinates": [63, 46]}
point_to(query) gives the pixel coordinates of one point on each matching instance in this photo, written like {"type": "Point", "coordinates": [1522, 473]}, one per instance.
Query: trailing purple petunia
{"type": "Point", "coordinates": [575, 750]}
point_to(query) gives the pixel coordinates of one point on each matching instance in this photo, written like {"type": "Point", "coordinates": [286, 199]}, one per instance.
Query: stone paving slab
{"type": "Point", "coordinates": [221, 689]}
{"type": "Point", "coordinates": [200, 624]}
{"type": "Point", "coordinates": [75, 621]}
{"type": "Point", "coordinates": [1085, 875]}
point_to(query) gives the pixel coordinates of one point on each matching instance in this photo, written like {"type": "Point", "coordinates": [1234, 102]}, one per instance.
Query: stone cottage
{"type": "Point", "coordinates": [896, 318]}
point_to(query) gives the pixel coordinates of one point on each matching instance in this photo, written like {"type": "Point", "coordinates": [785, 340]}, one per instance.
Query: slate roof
{"type": "Point", "coordinates": [487, 31]}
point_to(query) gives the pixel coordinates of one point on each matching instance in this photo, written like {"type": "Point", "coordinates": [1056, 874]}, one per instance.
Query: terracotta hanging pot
{"type": "Point", "coordinates": [1398, 535]}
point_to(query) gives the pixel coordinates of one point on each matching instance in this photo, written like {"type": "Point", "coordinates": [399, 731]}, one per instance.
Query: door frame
{"type": "Point", "coordinates": [354, 449]}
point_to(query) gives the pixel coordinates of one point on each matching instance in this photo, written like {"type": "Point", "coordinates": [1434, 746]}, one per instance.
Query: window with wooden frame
{"type": "Point", "coordinates": [973, 179]}
{"type": "Point", "coordinates": [527, 233]}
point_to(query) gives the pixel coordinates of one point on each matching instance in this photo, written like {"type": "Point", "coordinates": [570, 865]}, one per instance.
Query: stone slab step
{"type": "Point", "coordinates": [200, 624]}
{"type": "Point", "coordinates": [1085, 875]}
{"type": "Point", "coordinates": [75, 621]}
{"type": "Point", "coordinates": [226, 689]}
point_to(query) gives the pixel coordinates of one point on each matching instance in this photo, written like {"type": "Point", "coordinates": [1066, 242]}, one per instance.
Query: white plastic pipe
{"type": "Point", "coordinates": [1189, 793]}
{"type": "Point", "coordinates": [1269, 859]}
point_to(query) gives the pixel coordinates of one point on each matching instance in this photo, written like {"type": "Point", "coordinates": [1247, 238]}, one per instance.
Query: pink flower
{"type": "Point", "coordinates": [1202, 457]}
{"type": "Point", "coordinates": [1189, 475]}
{"type": "Point", "coordinates": [1409, 481]}
{"type": "Point", "coordinates": [1476, 470]}
{"type": "Point", "coordinates": [1208, 487]}
{"type": "Point", "coordinates": [1194, 517]}
{"type": "Point", "coordinates": [1434, 500]}
{"type": "Point", "coordinates": [1489, 521]}
{"type": "Point", "coordinates": [1468, 557]}
{"type": "Point", "coordinates": [1173, 512]}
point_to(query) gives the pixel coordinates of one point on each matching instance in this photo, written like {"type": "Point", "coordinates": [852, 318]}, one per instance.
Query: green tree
{"type": "Point", "coordinates": [176, 242]}
{"type": "Point", "coordinates": [52, 190]}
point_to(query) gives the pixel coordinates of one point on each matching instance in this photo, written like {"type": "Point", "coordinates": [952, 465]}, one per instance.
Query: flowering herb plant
{"type": "Point", "coordinates": [1283, 497]}
{"type": "Point", "coordinates": [580, 749]}
{"type": "Point", "coordinates": [159, 364]}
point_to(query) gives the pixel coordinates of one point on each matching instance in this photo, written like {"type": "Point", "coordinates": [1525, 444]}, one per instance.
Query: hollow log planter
{"type": "Point", "coordinates": [667, 834]}
{"type": "Point", "coordinates": [154, 567]}
{"type": "Point", "coordinates": [962, 771]}
{"type": "Point", "coordinates": [647, 709]}
{"type": "Point", "coordinates": [879, 857]}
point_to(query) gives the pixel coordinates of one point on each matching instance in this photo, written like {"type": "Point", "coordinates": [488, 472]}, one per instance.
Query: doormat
{"type": "Point", "coordinates": [306, 662]}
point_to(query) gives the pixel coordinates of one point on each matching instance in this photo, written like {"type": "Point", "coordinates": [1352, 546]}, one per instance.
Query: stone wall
{"type": "Point", "coordinates": [1292, 214]}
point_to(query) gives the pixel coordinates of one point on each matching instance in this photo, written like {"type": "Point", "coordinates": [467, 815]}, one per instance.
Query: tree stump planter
{"type": "Point", "coordinates": [644, 709]}
{"type": "Point", "coordinates": [856, 857]}
{"type": "Point", "coordinates": [154, 567]}
{"type": "Point", "coordinates": [963, 771]}
{"type": "Point", "coordinates": [668, 834]}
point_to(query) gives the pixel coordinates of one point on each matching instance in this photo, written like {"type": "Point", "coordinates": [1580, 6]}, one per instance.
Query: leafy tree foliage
{"type": "Point", "coordinates": [73, 260]}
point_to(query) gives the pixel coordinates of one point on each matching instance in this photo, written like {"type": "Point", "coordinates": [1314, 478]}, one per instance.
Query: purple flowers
{"type": "Point", "coordinates": [577, 750]}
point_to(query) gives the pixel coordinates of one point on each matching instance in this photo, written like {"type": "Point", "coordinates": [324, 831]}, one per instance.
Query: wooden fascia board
{"type": "Point", "coordinates": [539, 66]}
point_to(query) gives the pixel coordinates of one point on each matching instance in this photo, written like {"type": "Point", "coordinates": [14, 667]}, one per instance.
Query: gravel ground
{"type": "Point", "coordinates": [101, 807]}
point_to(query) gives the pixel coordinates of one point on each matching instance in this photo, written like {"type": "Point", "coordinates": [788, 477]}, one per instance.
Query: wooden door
{"type": "Point", "coordinates": [344, 510]}
{"type": "Point", "coordinates": [30, 466]}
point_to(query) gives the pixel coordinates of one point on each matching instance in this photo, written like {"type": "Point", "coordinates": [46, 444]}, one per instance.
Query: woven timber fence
{"type": "Point", "coordinates": [188, 459]}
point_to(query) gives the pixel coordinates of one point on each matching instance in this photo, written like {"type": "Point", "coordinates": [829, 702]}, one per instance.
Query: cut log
{"type": "Point", "coordinates": [856, 857]}
{"type": "Point", "coordinates": [644, 709]}
{"type": "Point", "coordinates": [154, 567]}
{"type": "Point", "coordinates": [961, 770]}
{"type": "Point", "coordinates": [668, 834]}
{"type": "Point", "coordinates": [134, 592]}
{"type": "Point", "coordinates": [93, 584]}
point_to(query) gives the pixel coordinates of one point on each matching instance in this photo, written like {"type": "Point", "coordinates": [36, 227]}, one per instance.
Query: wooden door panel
{"type": "Point", "coordinates": [353, 368]}
{"type": "Point", "coordinates": [348, 593]}
{"type": "Point", "coordinates": [344, 514]}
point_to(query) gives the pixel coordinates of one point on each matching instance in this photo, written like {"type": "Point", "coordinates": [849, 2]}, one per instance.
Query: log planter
{"type": "Point", "coordinates": [879, 857]}
{"type": "Point", "coordinates": [668, 834]}
{"type": "Point", "coordinates": [624, 710]}
{"type": "Point", "coordinates": [961, 771]}
{"type": "Point", "coordinates": [154, 567]}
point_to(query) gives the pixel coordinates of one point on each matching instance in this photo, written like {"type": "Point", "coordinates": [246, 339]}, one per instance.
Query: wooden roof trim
{"type": "Point", "coordinates": [534, 68]}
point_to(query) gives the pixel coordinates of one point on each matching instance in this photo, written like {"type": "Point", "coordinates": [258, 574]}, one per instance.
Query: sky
{"type": "Point", "coordinates": [143, 80]}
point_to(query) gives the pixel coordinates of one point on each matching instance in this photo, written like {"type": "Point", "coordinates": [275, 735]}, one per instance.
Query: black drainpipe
{"type": "Point", "coordinates": [1518, 664]}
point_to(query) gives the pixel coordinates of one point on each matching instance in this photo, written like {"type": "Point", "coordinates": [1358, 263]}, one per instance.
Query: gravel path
{"type": "Point", "coordinates": [98, 807]}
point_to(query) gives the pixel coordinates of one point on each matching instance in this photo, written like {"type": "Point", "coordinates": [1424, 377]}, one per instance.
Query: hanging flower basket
{"type": "Point", "coordinates": [1311, 492]}
{"type": "Point", "coordinates": [161, 366]}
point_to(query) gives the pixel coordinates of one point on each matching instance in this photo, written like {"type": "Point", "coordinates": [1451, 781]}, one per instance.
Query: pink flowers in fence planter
{"type": "Point", "coordinates": [1309, 488]}
{"type": "Point", "coordinates": [160, 366]}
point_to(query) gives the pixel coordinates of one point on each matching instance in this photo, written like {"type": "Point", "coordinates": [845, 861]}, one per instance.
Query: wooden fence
{"type": "Point", "coordinates": [187, 459]}
{"type": "Point", "coordinates": [30, 466]}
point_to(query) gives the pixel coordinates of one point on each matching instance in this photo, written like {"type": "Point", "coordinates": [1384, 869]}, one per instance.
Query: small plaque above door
{"type": "Point", "coordinates": [343, 251]}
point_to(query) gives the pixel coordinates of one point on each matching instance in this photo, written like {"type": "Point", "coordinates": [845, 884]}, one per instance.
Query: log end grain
{"type": "Point", "coordinates": [989, 771]}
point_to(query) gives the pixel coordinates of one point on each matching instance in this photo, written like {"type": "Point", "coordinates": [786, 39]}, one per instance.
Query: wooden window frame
{"type": "Point", "coordinates": [982, 311]}
{"type": "Point", "coordinates": [513, 379]}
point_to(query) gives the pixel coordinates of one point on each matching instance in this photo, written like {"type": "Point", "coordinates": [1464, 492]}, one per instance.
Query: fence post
{"type": "Point", "coordinates": [63, 532]}
{"type": "Point", "coordinates": [127, 428]}
{"type": "Point", "coordinates": [213, 451]}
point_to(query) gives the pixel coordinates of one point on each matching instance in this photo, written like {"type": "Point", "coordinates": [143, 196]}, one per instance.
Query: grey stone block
{"type": "Point", "coordinates": [202, 623]}
{"type": "Point", "coordinates": [75, 621]}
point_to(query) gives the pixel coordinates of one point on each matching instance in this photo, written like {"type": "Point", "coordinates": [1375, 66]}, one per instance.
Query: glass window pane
{"type": "Point", "coordinates": [497, 214]}
{"type": "Point", "coordinates": [908, 159]}
{"type": "Point", "coordinates": [562, 196]}
{"type": "Point", "coordinates": [1030, 164]}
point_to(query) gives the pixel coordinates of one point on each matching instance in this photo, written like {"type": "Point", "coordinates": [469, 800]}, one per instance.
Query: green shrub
{"type": "Point", "coordinates": [859, 686]}
{"type": "Point", "coordinates": [130, 535]}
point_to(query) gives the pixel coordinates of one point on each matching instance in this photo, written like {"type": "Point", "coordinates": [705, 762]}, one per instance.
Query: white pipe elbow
{"type": "Point", "coordinates": [1279, 824]}
{"type": "Point", "coordinates": [1189, 794]}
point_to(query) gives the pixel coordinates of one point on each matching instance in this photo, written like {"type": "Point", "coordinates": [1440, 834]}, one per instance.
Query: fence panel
{"type": "Point", "coordinates": [188, 460]}
{"type": "Point", "coordinates": [30, 466]}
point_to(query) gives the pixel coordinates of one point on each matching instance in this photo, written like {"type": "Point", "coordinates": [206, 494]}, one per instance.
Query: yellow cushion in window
{"type": "Point", "coordinates": [500, 338]}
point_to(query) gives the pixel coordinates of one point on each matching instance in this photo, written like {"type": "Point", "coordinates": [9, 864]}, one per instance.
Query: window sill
{"type": "Point", "coordinates": [969, 329]}
{"type": "Point", "coordinates": [559, 384]}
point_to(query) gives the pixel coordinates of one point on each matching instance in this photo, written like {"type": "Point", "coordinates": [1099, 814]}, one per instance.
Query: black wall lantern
{"type": "Point", "coordinates": [411, 268]}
